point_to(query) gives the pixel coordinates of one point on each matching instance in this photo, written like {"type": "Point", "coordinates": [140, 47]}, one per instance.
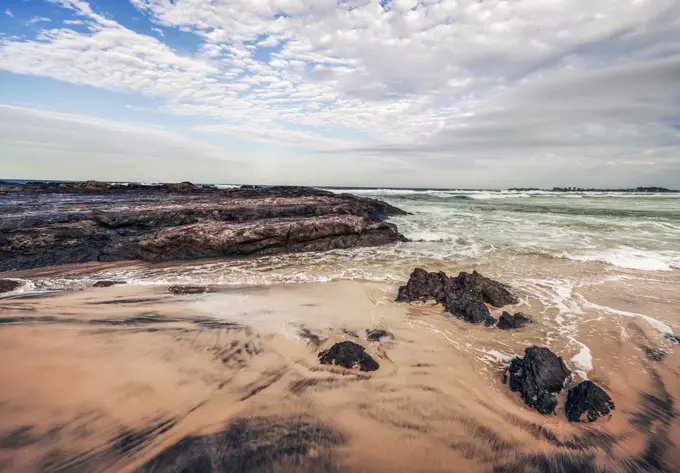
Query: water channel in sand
{"type": "Point", "coordinates": [133, 378]}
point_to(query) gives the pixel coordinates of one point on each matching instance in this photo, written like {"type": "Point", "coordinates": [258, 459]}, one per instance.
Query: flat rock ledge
{"type": "Point", "coordinates": [349, 355]}
{"type": "Point", "coordinates": [464, 296]}
{"type": "Point", "coordinates": [74, 223]}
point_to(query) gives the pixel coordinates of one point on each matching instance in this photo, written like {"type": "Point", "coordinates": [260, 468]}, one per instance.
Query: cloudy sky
{"type": "Point", "coordinates": [440, 93]}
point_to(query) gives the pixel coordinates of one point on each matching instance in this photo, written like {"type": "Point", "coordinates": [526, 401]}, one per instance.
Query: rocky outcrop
{"type": "Point", "coordinates": [537, 377]}
{"type": "Point", "coordinates": [8, 285]}
{"type": "Point", "coordinates": [586, 402]}
{"type": "Point", "coordinates": [464, 296]}
{"type": "Point", "coordinates": [509, 322]}
{"type": "Point", "coordinates": [90, 221]}
{"type": "Point", "coordinates": [348, 355]}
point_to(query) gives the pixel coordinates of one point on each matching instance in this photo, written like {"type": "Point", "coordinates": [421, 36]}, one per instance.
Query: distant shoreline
{"type": "Point", "coordinates": [639, 189]}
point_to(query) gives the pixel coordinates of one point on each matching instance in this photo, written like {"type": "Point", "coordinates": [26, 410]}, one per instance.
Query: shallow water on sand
{"type": "Point", "coordinates": [133, 378]}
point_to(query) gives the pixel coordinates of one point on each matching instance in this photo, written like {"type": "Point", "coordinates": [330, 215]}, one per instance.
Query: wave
{"type": "Point", "coordinates": [631, 258]}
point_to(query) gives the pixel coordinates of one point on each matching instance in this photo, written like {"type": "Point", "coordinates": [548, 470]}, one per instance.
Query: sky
{"type": "Point", "coordinates": [400, 93]}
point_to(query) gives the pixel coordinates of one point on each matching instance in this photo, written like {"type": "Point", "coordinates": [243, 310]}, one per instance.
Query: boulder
{"type": "Point", "coordinates": [586, 402]}
{"type": "Point", "coordinates": [464, 296]}
{"type": "Point", "coordinates": [507, 321]}
{"type": "Point", "coordinates": [108, 283]}
{"type": "Point", "coordinates": [348, 355]}
{"type": "Point", "coordinates": [538, 376]}
{"type": "Point", "coordinates": [8, 285]}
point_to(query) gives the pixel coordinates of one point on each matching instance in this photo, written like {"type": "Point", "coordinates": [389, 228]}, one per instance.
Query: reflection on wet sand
{"type": "Point", "coordinates": [135, 379]}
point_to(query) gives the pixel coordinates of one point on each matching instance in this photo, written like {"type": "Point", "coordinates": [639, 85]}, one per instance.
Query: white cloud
{"type": "Point", "coordinates": [38, 19]}
{"type": "Point", "coordinates": [9, 13]}
{"type": "Point", "coordinates": [436, 82]}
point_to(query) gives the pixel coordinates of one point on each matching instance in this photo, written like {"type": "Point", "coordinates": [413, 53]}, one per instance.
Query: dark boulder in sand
{"type": "Point", "coordinates": [348, 355]}
{"type": "Point", "coordinates": [538, 376]}
{"type": "Point", "coordinates": [464, 296]}
{"type": "Point", "coordinates": [8, 285]}
{"type": "Point", "coordinates": [181, 290]}
{"type": "Point", "coordinates": [108, 283]}
{"type": "Point", "coordinates": [507, 321]}
{"type": "Point", "coordinates": [586, 402]}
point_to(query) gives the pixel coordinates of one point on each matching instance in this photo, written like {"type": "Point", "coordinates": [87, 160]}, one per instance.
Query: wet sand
{"type": "Point", "coordinates": [131, 378]}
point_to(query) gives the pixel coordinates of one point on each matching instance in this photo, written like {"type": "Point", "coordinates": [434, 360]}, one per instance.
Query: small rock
{"type": "Point", "coordinates": [538, 376]}
{"type": "Point", "coordinates": [507, 321]}
{"type": "Point", "coordinates": [108, 283]}
{"type": "Point", "coordinates": [348, 355]}
{"type": "Point", "coordinates": [8, 285]}
{"type": "Point", "coordinates": [376, 334]}
{"type": "Point", "coordinates": [672, 338]}
{"type": "Point", "coordinates": [181, 290]}
{"type": "Point", "coordinates": [589, 399]}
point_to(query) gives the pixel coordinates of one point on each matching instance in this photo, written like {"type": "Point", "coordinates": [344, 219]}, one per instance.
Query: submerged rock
{"type": "Point", "coordinates": [108, 283]}
{"type": "Point", "coordinates": [374, 335]}
{"type": "Point", "coordinates": [7, 285]}
{"type": "Point", "coordinates": [586, 402]}
{"type": "Point", "coordinates": [181, 290]}
{"type": "Point", "coordinates": [348, 355]}
{"type": "Point", "coordinates": [464, 296]}
{"type": "Point", "coordinates": [507, 321]}
{"type": "Point", "coordinates": [538, 376]}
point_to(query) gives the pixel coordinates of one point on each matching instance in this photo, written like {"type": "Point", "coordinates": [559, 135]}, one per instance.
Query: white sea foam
{"type": "Point", "coordinates": [631, 258]}
{"type": "Point", "coordinates": [582, 361]}
{"type": "Point", "coordinates": [657, 324]}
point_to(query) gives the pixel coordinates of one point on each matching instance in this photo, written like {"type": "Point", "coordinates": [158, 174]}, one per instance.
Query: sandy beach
{"type": "Point", "coordinates": [133, 378]}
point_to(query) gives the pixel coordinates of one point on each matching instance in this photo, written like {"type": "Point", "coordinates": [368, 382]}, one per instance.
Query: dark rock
{"type": "Point", "coordinates": [464, 296]}
{"type": "Point", "coordinates": [374, 335]}
{"type": "Point", "coordinates": [106, 222]}
{"type": "Point", "coordinates": [654, 354]}
{"type": "Point", "coordinates": [672, 338]}
{"type": "Point", "coordinates": [423, 286]}
{"type": "Point", "coordinates": [181, 290]}
{"type": "Point", "coordinates": [108, 283]}
{"type": "Point", "coordinates": [7, 285]}
{"type": "Point", "coordinates": [469, 307]}
{"type": "Point", "coordinates": [180, 187]}
{"type": "Point", "coordinates": [586, 402]}
{"type": "Point", "coordinates": [507, 321]}
{"type": "Point", "coordinates": [538, 376]}
{"type": "Point", "coordinates": [348, 355]}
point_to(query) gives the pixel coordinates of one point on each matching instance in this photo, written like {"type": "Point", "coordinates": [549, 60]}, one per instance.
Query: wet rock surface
{"type": "Point", "coordinates": [90, 221]}
{"type": "Point", "coordinates": [537, 377]}
{"type": "Point", "coordinates": [8, 285]}
{"type": "Point", "coordinates": [182, 290]}
{"type": "Point", "coordinates": [108, 283]}
{"type": "Point", "coordinates": [248, 445]}
{"type": "Point", "coordinates": [464, 296]}
{"type": "Point", "coordinates": [349, 355]}
{"type": "Point", "coordinates": [586, 402]}
{"type": "Point", "coordinates": [376, 334]}
{"type": "Point", "coordinates": [509, 322]}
